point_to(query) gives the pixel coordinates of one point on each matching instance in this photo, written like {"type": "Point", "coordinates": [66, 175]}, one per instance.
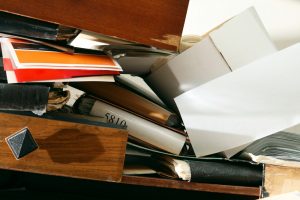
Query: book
{"type": "Point", "coordinates": [2, 72]}
{"type": "Point", "coordinates": [281, 148]}
{"type": "Point", "coordinates": [33, 28]}
{"type": "Point", "coordinates": [134, 58]}
{"type": "Point", "coordinates": [205, 170]}
{"type": "Point", "coordinates": [279, 180]}
{"type": "Point", "coordinates": [227, 172]}
{"type": "Point", "coordinates": [139, 129]}
{"type": "Point", "coordinates": [18, 73]}
{"type": "Point", "coordinates": [52, 75]}
{"type": "Point", "coordinates": [139, 86]}
{"type": "Point", "coordinates": [60, 47]}
{"type": "Point", "coordinates": [30, 55]}
{"type": "Point", "coordinates": [289, 195]}
{"type": "Point", "coordinates": [138, 105]}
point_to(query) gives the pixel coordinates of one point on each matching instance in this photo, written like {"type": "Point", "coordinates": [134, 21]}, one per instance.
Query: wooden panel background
{"type": "Point", "coordinates": [157, 22]}
{"type": "Point", "coordinates": [65, 148]}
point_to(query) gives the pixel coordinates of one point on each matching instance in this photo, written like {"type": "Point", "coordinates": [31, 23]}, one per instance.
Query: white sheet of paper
{"type": "Point", "coordinates": [254, 101]}
{"type": "Point", "coordinates": [243, 39]}
{"type": "Point", "coordinates": [104, 78]}
{"type": "Point", "coordinates": [193, 67]}
{"type": "Point", "coordinates": [235, 43]}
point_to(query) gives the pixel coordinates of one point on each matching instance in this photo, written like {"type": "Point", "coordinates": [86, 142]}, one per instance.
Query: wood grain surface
{"type": "Point", "coordinates": [65, 148]}
{"type": "Point", "coordinates": [204, 187]}
{"type": "Point", "coordinates": [157, 23]}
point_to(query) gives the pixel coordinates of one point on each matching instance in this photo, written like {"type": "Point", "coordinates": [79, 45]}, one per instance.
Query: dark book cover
{"type": "Point", "coordinates": [33, 28]}
{"type": "Point", "coordinates": [23, 97]}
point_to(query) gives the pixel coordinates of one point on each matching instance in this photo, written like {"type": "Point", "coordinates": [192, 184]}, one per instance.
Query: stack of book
{"type": "Point", "coordinates": [58, 89]}
{"type": "Point", "coordinates": [39, 52]}
{"type": "Point", "coordinates": [105, 101]}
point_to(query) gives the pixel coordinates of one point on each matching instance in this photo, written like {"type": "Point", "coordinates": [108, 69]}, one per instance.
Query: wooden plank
{"type": "Point", "coordinates": [157, 23]}
{"type": "Point", "coordinates": [203, 187]}
{"type": "Point", "coordinates": [65, 148]}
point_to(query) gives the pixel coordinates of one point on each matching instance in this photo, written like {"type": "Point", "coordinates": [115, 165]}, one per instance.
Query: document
{"type": "Point", "coordinates": [252, 102]}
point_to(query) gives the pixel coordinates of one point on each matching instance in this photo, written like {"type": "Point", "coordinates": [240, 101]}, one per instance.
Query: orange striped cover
{"type": "Point", "coordinates": [27, 56]}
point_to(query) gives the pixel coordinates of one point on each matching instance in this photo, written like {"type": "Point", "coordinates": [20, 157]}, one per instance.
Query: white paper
{"type": "Point", "coordinates": [243, 39]}
{"type": "Point", "coordinates": [254, 101]}
{"type": "Point", "coordinates": [195, 66]}
{"type": "Point", "coordinates": [106, 78]}
{"type": "Point", "coordinates": [233, 44]}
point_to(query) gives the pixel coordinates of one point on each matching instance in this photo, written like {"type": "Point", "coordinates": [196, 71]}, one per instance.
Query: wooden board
{"type": "Point", "coordinates": [203, 187]}
{"type": "Point", "coordinates": [65, 148]}
{"type": "Point", "coordinates": [157, 23]}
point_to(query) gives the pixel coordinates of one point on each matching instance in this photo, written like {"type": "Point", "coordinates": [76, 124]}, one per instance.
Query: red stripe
{"type": "Point", "coordinates": [7, 64]}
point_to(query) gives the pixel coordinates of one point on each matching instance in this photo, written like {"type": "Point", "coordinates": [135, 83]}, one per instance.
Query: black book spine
{"type": "Point", "coordinates": [23, 97]}
{"type": "Point", "coordinates": [228, 173]}
{"type": "Point", "coordinates": [33, 28]}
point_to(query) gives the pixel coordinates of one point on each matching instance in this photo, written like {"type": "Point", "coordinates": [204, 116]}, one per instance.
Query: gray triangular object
{"type": "Point", "coordinates": [21, 143]}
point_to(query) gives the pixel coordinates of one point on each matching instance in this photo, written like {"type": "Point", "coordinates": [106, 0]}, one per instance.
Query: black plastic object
{"type": "Point", "coordinates": [21, 143]}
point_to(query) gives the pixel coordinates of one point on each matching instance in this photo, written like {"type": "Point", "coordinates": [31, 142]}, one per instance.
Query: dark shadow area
{"type": "Point", "coordinates": [72, 145]}
{"type": "Point", "coordinates": [34, 186]}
